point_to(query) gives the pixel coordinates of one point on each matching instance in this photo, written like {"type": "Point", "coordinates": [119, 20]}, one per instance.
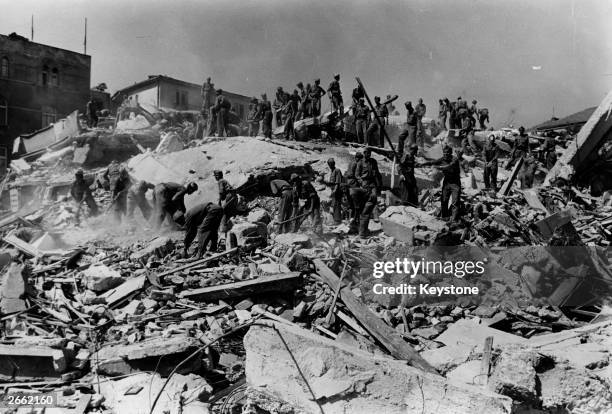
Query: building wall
{"type": "Point", "coordinates": [180, 97]}
{"type": "Point", "coordinates": [42, 84]}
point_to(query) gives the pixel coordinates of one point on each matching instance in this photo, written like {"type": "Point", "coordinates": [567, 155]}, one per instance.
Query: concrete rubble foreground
{"type": "Point", "coordinates": [115, 320]}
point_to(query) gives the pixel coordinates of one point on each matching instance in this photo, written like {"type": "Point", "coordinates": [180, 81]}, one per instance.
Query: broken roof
{"type": "Point", "coordinates": [576, 119]}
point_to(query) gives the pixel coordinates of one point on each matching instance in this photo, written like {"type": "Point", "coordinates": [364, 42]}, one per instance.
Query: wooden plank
{"type": "Point", "coordinates": [124, 290]}
{"type": "Point", "coordinates": [485, 366]}
{"type": "Point", "coordinates": [387, 336]}
{"type": "Point", "coordinates": [198, 263]}
{"type": "Point", "coordinates": [505, 188]}
{"type": "Point", "coordinates": [21, 245]}
{"type": "Point", "coordinates": [274, 283]}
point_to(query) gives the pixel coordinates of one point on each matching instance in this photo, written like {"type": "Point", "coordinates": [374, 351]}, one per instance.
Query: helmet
{"type": "Point", "coordinates": [294, 177]}
{"type": "Point", "coordinates": [337, 76]}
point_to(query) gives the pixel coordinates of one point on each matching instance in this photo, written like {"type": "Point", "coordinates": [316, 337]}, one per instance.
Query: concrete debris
{"type": "Point", "coordinates": [286, 319]}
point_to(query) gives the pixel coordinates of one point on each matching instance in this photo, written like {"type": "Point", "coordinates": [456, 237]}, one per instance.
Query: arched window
{"type": "Point", "coordinates": [55, 77]}
{"type": "Point", "coordinates": [45, 75]}
{"type": "Point", "coordinates": [4, 67]}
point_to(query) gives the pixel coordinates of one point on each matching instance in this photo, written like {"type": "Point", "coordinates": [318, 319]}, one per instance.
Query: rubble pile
{"type": "Point", "coordinates": [288, 322]}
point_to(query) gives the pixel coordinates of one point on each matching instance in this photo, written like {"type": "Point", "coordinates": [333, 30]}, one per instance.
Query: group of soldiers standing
{"type": "Point", "coordinates": [460, 115]}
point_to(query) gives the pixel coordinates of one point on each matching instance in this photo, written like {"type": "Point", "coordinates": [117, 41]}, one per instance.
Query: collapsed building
{"type": "Point", "coordinates": [113, 319]}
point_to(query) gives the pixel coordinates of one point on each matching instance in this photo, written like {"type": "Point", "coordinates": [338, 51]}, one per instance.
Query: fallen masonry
{"type": "Point", "coordinates": [116, 319]}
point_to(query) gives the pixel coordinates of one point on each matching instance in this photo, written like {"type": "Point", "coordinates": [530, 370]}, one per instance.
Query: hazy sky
{"type": "Point", "coordinates": [483, 49]}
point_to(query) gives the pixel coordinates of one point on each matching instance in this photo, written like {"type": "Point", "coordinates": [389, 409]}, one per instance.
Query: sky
{"type": "Point", "coordinates": [525, 60]}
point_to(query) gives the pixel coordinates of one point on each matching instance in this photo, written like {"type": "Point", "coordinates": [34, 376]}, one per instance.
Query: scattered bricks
{"type": "Point", "coordinates": [100, 278]}
{"type": "Point", "coordinates": [158, 247]}
{"type": "Point", "coordinates": [259, 215]}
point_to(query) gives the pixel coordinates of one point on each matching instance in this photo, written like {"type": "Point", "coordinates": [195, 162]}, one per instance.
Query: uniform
{"type": "Point", "coordinates": [221, 111]}
{"type": "Point", "coordinates": [374, 134]}
{"type": "Point", "coordinates": [80, 191]}
{"type": "Point", "coordinates": [521, 148]}
{"type": "Point", "coordinates": [264, 112]}
{"type": "Point", "coordinates": [442, 115]}
{"type": "Point", "coordinates": [315, 96]}
{"type": "Point", "coordinates": [336, 97]}
{"type": "Point", "coordinates": [368, 174]}
{"type": "Point", "coordinates": [207, 96]}
{"type": "Point", "coordinates": [410, 132]}
{"type": "Point", "coordinates": [306, 191]}
{"type": "Point", "coordinates": [335, 179]}
{"type": "Point", "coordinates": [136, 198]}
{"type": "Point", "coordinates": [362, 115]}
{"type": "Point", "coordinates": [451, 186]}
{"type": "Point", "coordinates": [203, 220]}
{"type": "Point", "coordinates": [409, 192]}
{"type": "Point", "coordinates": [356, 194]}
{"type": "Point", "coordinates": [550, 154]}
{"type": "Point", "coordinates": [490, 153]}
{"type": "Point", "coordinates": [169, 198]}
{"type": "Point", "coordinates": [288, 203]}
{"type": "Point", "coordinates": [420, 111]}
{"type": "Point", "coordinates": [228, 200]}
{"type": "Point", "coordinates": [253, 119]}
{"type": "Point", "coordinates": [527, 171]}
{"type": "Point", "coordinates": [119, 184]}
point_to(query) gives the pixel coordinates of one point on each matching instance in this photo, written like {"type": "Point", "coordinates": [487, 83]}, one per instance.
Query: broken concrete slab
{"type": "Point", "coordinates": [548, 225]}
{"type": "Point", "coordinates": [19, 363]}
{"type": "Point", "coordinates": [184, 394]}
{"type": "Point", "coordinates": [250, 234]}
{"type": "Point", "coordinates": [259, 215]}
{"type": "Point", "coordinates": [116, 360]}
{"type": "Point", "coordinates": [401, 222]}
{"type": "Point", "coordinates": [158, 247]}
{"type": "Point", "coordinates": [576, 156]}
{"type": "Point", "coordinates": [124, 290]}
{"type": "Point", "coordinates": [13, 290]}
{"type": "Point", "coordinates": [101, 278]}
{"type": "Point", "coordinates": [448, 357]}
{"type": "Point", "coordinates": [293, 239]}
{"type": "Point", "coordinates": [264, 284]}
{"type": "Point", "coordinates": [514, 374]}
{"type": "Point", "coordinates": [471, 333]}
{"type": "Point", "coordinates": [343, 379]}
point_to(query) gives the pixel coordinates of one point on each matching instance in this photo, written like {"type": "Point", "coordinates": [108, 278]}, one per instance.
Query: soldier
{"type": "Point", "coordinates": [369, 176]}
{"type": "Point", "coordinates": [252, 117]}
{"type": "Point", "coordinates": [442, 110]}
{"type": "Point", "coordinates": [92, 116]}
{"type": "Point", "coordinates": [358, 93]}
{"type": "Point", "coordinates": [291, 110]}
{"type": "Point", "coordinates": [409, 192]}
{"type": "Point", "coordinates": [169, 199]}
{"type": "Point", "coordinates": [420, 111]}
{"type": "Point", "coordinates": [473, 112]}
{"type": "Point", "coordinates": [410, 131]}
{"type": "Point", "coordinates": [304, 190]}
{"type": "Point", "coordinates": [279, 103]}
{"type": "Point", "coordinates": [374, 134]}
{"type": "Point", "coordinates": [356, 193]}
{"type": "Point", "coordinates": [335, 181]}
{"type": "Point", "coordinates": [335, 95]}
{"type": "Point", "coordinates": [316, 93]}
{"type": "Point", "coordinates": [521, 147]}
{"type": "Point", "coordinates": [136, 197]}
{"type": "Point", "coordinates": [264, 112]}
{"type": "Point", "coordinates": [490, 154]}
{"type": "Point", "coordinates": [221, 110]}
{"type": "Point", "coordinates": [288, 202]}
{"type": "Point", "coordinates": [228, 199]}
{"type": "Point", "coordinates": [549, 149]}
{"type": "Point", "coordinates": [80, 191]}
{"type": "Point", "coordinates": [301, 107]}
{"type": "Point", "coordinates": [119, 182]}
{"type": "Point", "coordinates": [362, 115]}
{"type": "Point", "coordinates": [527, 171]}
{"type": "Point", "coordinates": [483, 116]}
{"type": "Point", "coordinates": [203, 220]}
{"type": "Point", "coordinates": [451, 185]}
{"type": "Point", "coordinates": [208, 89]}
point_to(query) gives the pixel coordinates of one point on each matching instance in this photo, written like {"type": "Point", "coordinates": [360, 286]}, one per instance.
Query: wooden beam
{"type": "Point", "coordinates": [505, 189]}
{"type": "Point", "coordinates": [274, 283]}
{"type": "Point", "coordinates": [387, 336]}
{"type": "Point", "coordinates": [198, 263]}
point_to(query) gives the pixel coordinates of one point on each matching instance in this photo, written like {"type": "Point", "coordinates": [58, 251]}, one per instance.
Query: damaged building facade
{"type": "Point", "coordinates": [39, 84]}
{"type": "Point", "coordinates": [164, 92]}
